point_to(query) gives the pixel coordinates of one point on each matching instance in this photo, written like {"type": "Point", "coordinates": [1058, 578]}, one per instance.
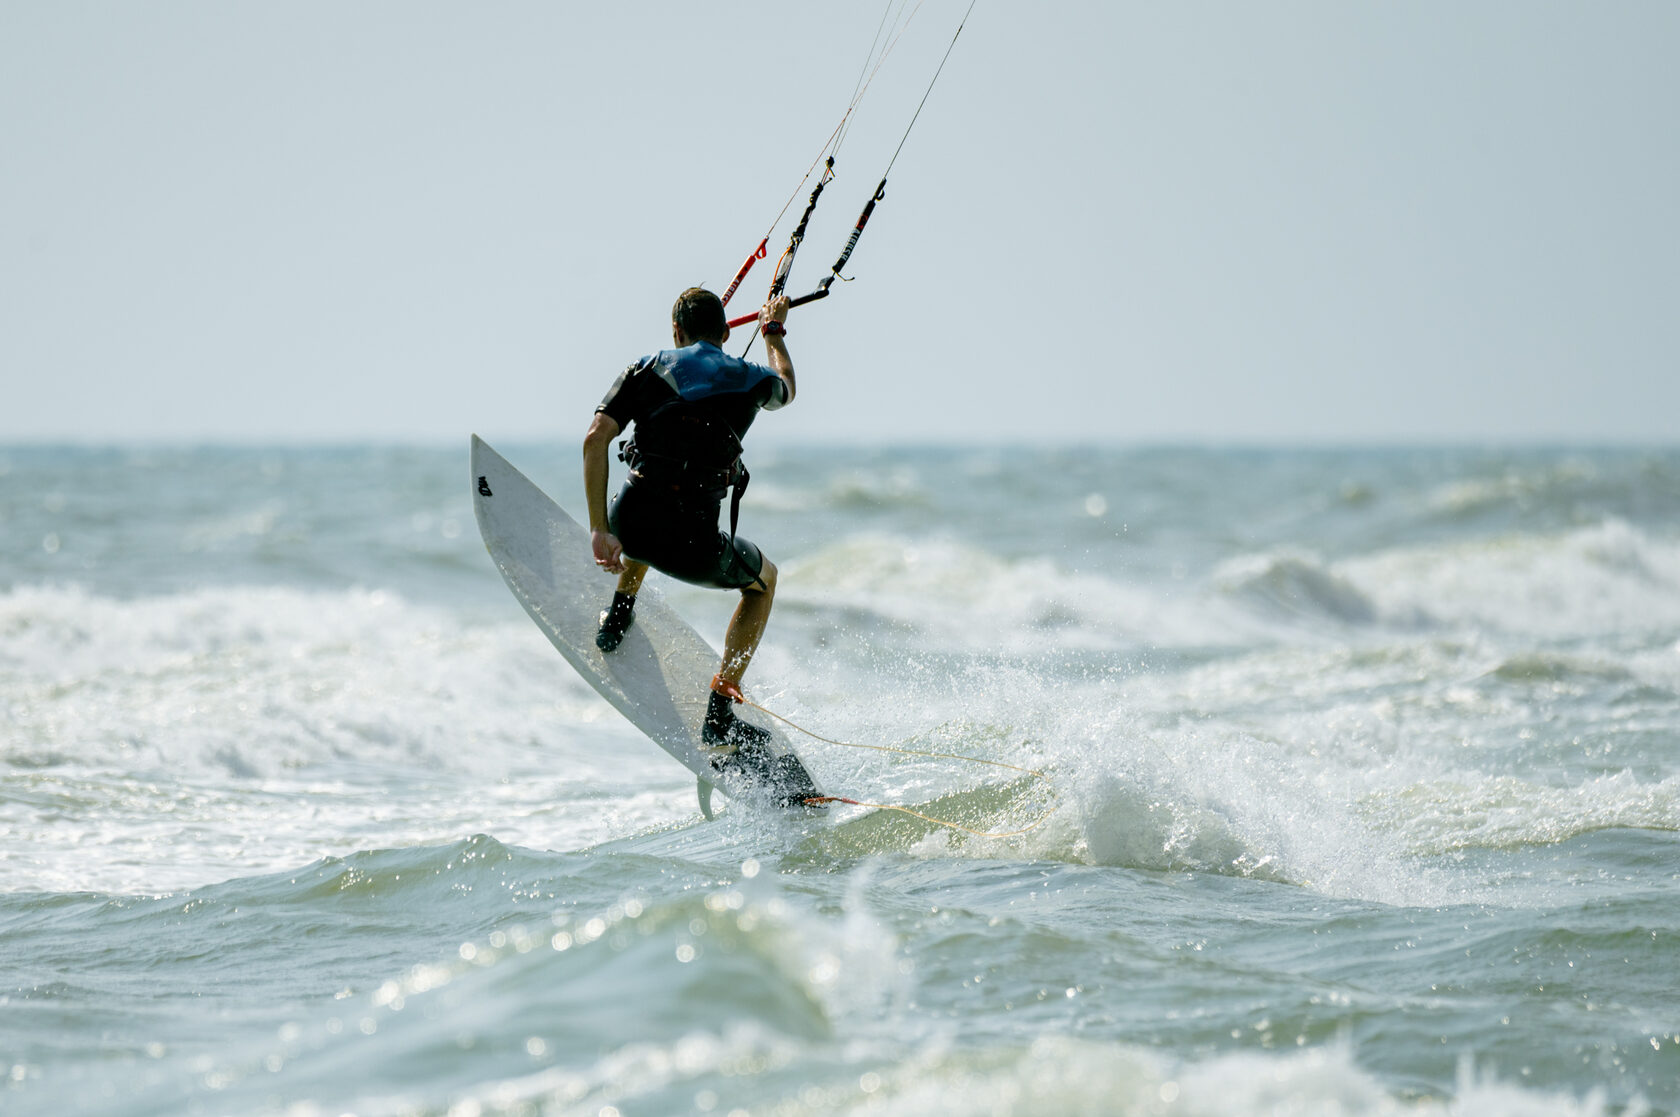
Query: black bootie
{"type": "Point", "coordinates": [615, 622]}
{"type": "Point", "coordinates": [743, 748]}
{"type": "Point", "coordinates": [724, 731]}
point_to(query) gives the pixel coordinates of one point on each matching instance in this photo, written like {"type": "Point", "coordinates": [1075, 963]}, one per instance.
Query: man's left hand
{"type": "Point", "coordinates": [609, 552]}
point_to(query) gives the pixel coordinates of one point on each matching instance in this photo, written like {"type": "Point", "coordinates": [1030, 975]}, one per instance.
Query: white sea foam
{"type": "Point", "coordinates": [1335, 768]}
{"type": "Point", "coordinates": [1476, 810]}
{"type": "Point", "coordinates": [266, 680]}
{"type": "Point", "coordinates": [946, 594]}
{"type": "Point", "coordinates": [1608, 579]}
{"type": "Point", "coordinates": [1215, 800]}
{"type": "Point", "coordinates": [1343, 769]}
{"type": "Point", "coordinates": [224, 731]}
{"type": "Point", "coordinates": [1063, 1075]}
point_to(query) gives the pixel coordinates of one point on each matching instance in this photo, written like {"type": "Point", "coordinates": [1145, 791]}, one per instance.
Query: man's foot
{"type": "Point", "coordinates": [615, 622]}
{"type": "Point", "coordinates": [744, 748]}
{"type": "Point", "coordinates": [726, 732]}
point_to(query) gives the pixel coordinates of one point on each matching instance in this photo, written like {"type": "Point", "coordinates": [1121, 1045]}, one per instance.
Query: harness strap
{"type": "Point", "coordinates": [735, 479]}
{"type": "Point", "coordinates": [738, 486]}
{"type": "Point", "coordinates": [678, 473]}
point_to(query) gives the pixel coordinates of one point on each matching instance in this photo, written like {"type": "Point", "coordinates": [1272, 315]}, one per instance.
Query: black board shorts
{"type": "Point", "coordinates": [677, 534]}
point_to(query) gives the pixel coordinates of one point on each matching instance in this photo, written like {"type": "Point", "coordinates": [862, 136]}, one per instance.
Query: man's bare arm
{"type": "Point", "coordinates": [775, 346]}
{"type": "Point", "coordinates": [597, 441]}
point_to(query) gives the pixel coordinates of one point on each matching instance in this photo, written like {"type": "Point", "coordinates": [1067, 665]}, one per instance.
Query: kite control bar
{"type": "Point", "coordinates": [800, 301]}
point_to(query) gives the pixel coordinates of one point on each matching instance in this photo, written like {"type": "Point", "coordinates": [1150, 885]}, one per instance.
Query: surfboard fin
{"type": "Point", "coordinates": [704, 789]}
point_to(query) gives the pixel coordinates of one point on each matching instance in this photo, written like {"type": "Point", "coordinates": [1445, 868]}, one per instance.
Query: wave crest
{"type": "Point", "coordinates": [1295, 585]}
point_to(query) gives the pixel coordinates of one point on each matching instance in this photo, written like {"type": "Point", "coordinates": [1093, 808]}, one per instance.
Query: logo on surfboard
{"type": "Point", "coordinates": [484, 487]}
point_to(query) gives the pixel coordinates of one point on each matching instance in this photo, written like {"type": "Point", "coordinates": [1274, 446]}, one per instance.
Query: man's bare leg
{"type": "Point", "coordinates": [631, 580]}
{"type": "Point", "coordinates": [741, 746]}
{"type": "Point", "coordinates": [746, 627]}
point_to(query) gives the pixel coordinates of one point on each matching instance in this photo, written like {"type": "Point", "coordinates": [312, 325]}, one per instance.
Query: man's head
{"type": "Point", "coordinates": [698, 316]}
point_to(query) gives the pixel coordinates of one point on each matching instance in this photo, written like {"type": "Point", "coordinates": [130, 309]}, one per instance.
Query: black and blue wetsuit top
{"type": "Point", "coordinates": [691, 407]}
{"type": "Point", "coordinates": [703, 375]}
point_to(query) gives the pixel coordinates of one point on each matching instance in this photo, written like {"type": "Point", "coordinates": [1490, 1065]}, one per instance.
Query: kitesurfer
{"type": "Point", "coordinates": [690, 407]}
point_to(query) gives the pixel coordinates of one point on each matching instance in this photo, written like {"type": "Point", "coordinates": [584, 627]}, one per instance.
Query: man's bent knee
{"type": "Point", "coordinates": [766, 580]}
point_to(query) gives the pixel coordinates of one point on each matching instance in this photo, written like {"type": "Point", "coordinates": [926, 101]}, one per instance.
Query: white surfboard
{"type": "Point", "coordinates": [659, 677]}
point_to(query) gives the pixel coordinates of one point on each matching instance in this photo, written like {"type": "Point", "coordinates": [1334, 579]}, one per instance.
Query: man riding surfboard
{"type": "Point", "coordinates": [690, 407]}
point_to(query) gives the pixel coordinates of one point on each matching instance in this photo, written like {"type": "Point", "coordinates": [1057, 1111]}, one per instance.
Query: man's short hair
{"type": "Point", "coordinates": [699, 314]}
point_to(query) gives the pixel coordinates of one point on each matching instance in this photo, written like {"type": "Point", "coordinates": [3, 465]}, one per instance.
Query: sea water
{"type": "Point", "coordinates": [1361, 796]}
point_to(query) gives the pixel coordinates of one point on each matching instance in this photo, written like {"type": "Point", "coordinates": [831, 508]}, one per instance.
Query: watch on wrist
{"type": "Point", "coordinates": [774, 328]}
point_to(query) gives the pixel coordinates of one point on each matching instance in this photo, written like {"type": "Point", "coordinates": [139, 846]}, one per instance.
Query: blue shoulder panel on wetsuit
{"type": "Point", "coordinates": [702, 370]}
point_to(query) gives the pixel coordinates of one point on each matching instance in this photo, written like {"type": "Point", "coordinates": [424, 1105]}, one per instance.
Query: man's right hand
{"type": "Point", "coordinates": [775, 346]}
{"type": "Point", "coordinates": [609, 552]}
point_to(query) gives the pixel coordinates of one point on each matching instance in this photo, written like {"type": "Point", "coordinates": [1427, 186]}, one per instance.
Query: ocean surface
{"type": "Point", "coordinates": [1363, 793]}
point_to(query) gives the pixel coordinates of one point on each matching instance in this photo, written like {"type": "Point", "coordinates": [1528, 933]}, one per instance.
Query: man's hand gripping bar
{"type": "Point", "coordinates": [747, 319]}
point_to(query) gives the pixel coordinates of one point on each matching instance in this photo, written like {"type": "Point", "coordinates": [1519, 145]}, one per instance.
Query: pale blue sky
{"type": "Point", "coordinates": [1280, 222]}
